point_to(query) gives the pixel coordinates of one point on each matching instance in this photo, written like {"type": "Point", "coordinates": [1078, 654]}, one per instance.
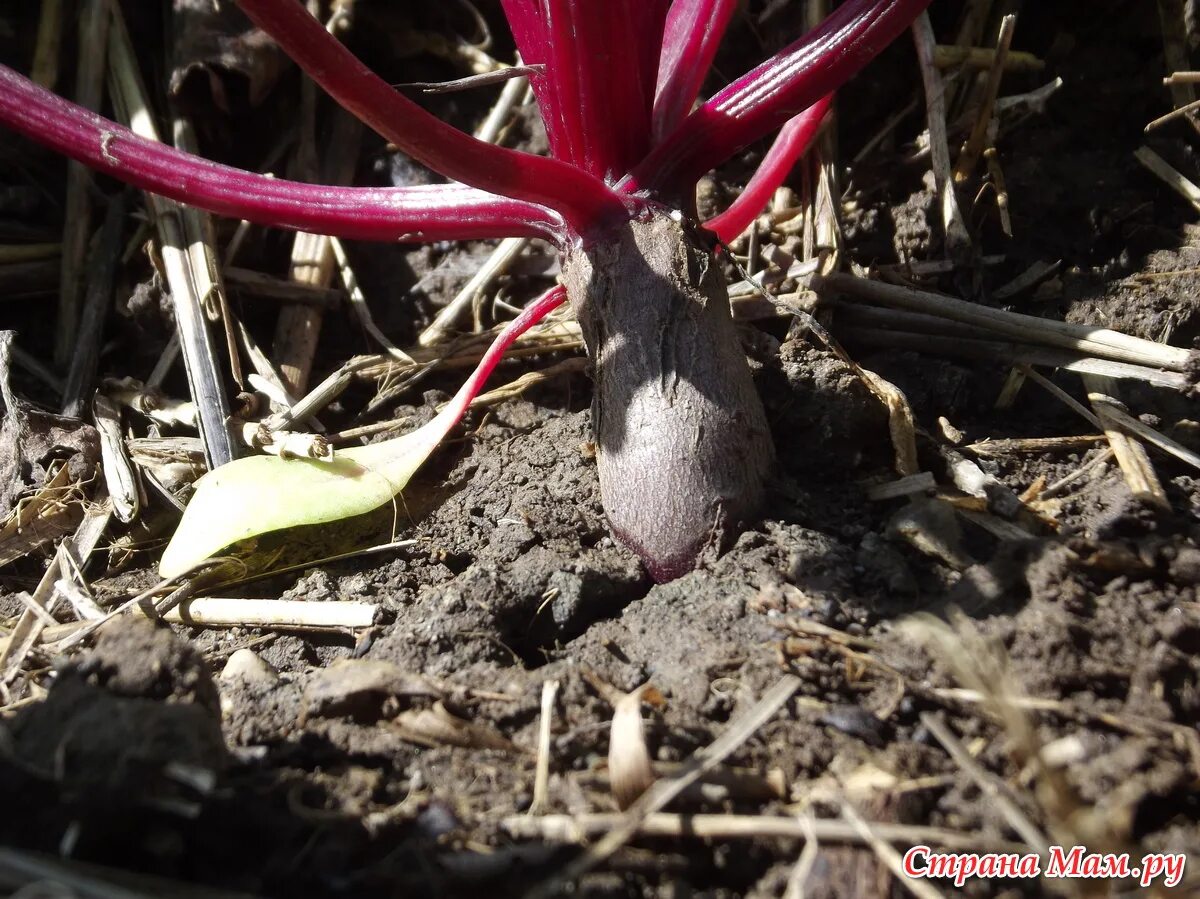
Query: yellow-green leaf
{"type": "Point", "coordinates": [261, 494]}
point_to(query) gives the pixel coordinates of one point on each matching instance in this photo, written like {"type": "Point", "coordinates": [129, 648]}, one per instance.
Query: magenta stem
{"type": "Point", "coordinates": [792, 143]}
{"type": "Point", "coordinates": [768, 95]}
{"type": "Point", "coordinates": [597, 88]}
{"type": "Point", "coordinates": [693, 32]}
{"type": "Point", "coordinates": [581, 199]}
{"type": "Point", "coordinates": [530, 316]}
{"type": "Point", "coordinates": [436, 212]}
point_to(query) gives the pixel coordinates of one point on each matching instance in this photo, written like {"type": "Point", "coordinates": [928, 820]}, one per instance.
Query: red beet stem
{"type": "Point", "coordinates": [792, 143]}
{"type": "Point", "coordinates": [768, 95]}
{"type": "Point", "coordinates": [582, 199]}
{"type": "Point", "coordinates": [438, 212]}
{"type": "Point", "coordinates": [693, 32]}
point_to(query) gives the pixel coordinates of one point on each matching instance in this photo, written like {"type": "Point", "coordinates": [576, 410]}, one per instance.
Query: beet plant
{"type": "Point", "coordinates": [682, 443]}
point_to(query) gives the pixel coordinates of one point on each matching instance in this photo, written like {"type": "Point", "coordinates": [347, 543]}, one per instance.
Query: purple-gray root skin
{"type": "Point", "coordinates": [682, 443]}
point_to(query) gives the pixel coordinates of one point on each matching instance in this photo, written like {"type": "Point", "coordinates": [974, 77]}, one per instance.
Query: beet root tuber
{"type": "Point", "coordinates": [682, 443]}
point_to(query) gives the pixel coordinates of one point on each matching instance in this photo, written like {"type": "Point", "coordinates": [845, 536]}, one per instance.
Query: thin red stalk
{"type": "Point", "coordinates": [530, 316]}
{"type": "Point", "coordinates": [437, 212]}
{"type": "Point", "coordinates": [693, 32]}
{"type": "Point", "coordinates": [597, 89]}
{"type": "Point", "coordinates": [581, 199]}
{"type": "Point", "coordinates": [792, 143]}
{"type": "Point", "coordinates": [768, 95]}
{"type": "Point", "coordinates": [528, 27]}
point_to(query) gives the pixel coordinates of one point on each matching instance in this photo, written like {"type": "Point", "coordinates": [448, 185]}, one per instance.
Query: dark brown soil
{"type": "Point", "coordinates": [308, 776]}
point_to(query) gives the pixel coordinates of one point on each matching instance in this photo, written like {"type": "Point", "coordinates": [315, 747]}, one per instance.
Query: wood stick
{"type": "Point", "coordinates": [495, 265]}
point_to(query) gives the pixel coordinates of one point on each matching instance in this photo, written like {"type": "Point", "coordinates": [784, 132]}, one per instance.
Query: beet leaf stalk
{"type": "Point", "coordinates": [683, 445]}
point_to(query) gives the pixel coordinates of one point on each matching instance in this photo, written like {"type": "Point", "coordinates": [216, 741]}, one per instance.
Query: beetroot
{"type": "Point", "coordinates": [683, 446]}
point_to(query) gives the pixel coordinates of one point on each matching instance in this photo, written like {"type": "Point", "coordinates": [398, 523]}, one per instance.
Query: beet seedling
{"type": "Point", "coordinates": [683, 447]}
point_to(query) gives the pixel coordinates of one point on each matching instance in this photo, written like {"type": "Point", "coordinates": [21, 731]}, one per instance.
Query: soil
{"type": "Point", "coordinates": [386, 762]}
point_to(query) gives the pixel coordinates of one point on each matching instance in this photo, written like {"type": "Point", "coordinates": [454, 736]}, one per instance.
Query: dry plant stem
{"type": "Point", "coordinates": [44, 70]}
{"type": "Point", "coordinates": [1085, 339]}
{"type": "Point", "coordinates": [680, 430]}
{"type": "Point", "coordinates": [496, 264]}
{"type": "Point", "coordinates": [945, 57]}
{"type": "Point", "coordinates": [313, 263]}
{"type": "Point", "coordinates": [887, 854]}
{"type": "Point", "coordinates": [81, 374]}
{"type": "Point", "coordinates": [77, 214]}
{"type": "Point", "coordinates": [1171, 176]}
{"type": "Point", "coordinates": [583, 828]}
{"type": "Point", "coordinates": [358, 303]}
{"type": "Point", "coordinates": [199, 355]}
{"type": "Point", "coordinates": [510, 97]}
{"type": "Point", "coordinates": [1175, 51]}
{"type": "Point", "coordinates": [988, 783]}
{"type": "Point", "coordinates": [211, 611]}
{"type": "Point", "coordinates": [1131, 455]}
{"type": "Point", "coordinates": [202, 258]}
{"type": "Point", "coordinates": [1136, 428]}
{"type": "Point", "coordinates": [29, 626]}
{"type": "Point", "coordinates": [958, 239]}
{"type": "Point", "coordinates": [541, 777]}
{"type": "Point", "coordinates": [969, 155]}
{"type": "Point", "coordinates": [626, 826]}
{"type": "Point", "coordinates": [118, 470]}
{"type": "Point", "coordinates": [1012, 353]}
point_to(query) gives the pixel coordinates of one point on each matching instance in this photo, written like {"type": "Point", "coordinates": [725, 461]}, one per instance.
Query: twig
{"type": "Point", "coordinates": [807, 860]}
{"type": "Point", "coordinates": [887, 854]}
{"type": "Point", "coordinates": [494, 266]}
{"type": "Point", "coordinates": [968, 156]}
{"type": "Point", "coordinates": [1100, 459]}
{"type": "Point", "coordinates": [958, 239]}
{"type": "Point", "coordinates": [668, 788]}
{"type": "Point", "coordinates": [358, 303]}
{"type": "Point", "coordinates": [541, 778]}
{"type": "Point", "coordinates": [118, 470]}
{"type": "Point", "coordinates": [1158, 166]}
{"type": "Point", "coordinates": [1182, 111]}
{"type": "Point", "coordinates": [1122, 419]}
{"type": "Point", "coordinates": [81, 375]}
{"type": "Point", "coordinates": [212, 611]}
{"type": "Point", "coordinates": [44, 70]}
{"type": "Point", "coordinates": [77, 214]}
{"type": "Point", "coordinates": [581, 828]}
{"type": "Point", "coordinates": [991, 787]}
{"type": "Point", "coordinates": [492, 127]}
{"type": "Point", "coordinates": [1085, 339]}
{"type": "Point", "coordinates": [1001, 447]}
{"type": "Point", "coordinates": [29, 626]}
{"type": "Point", "coordinates": [312, 263]}
{"type": "Point", "coordinates": [947, 57]}
{"type": "Point", "coordinates": [1131, 455]}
